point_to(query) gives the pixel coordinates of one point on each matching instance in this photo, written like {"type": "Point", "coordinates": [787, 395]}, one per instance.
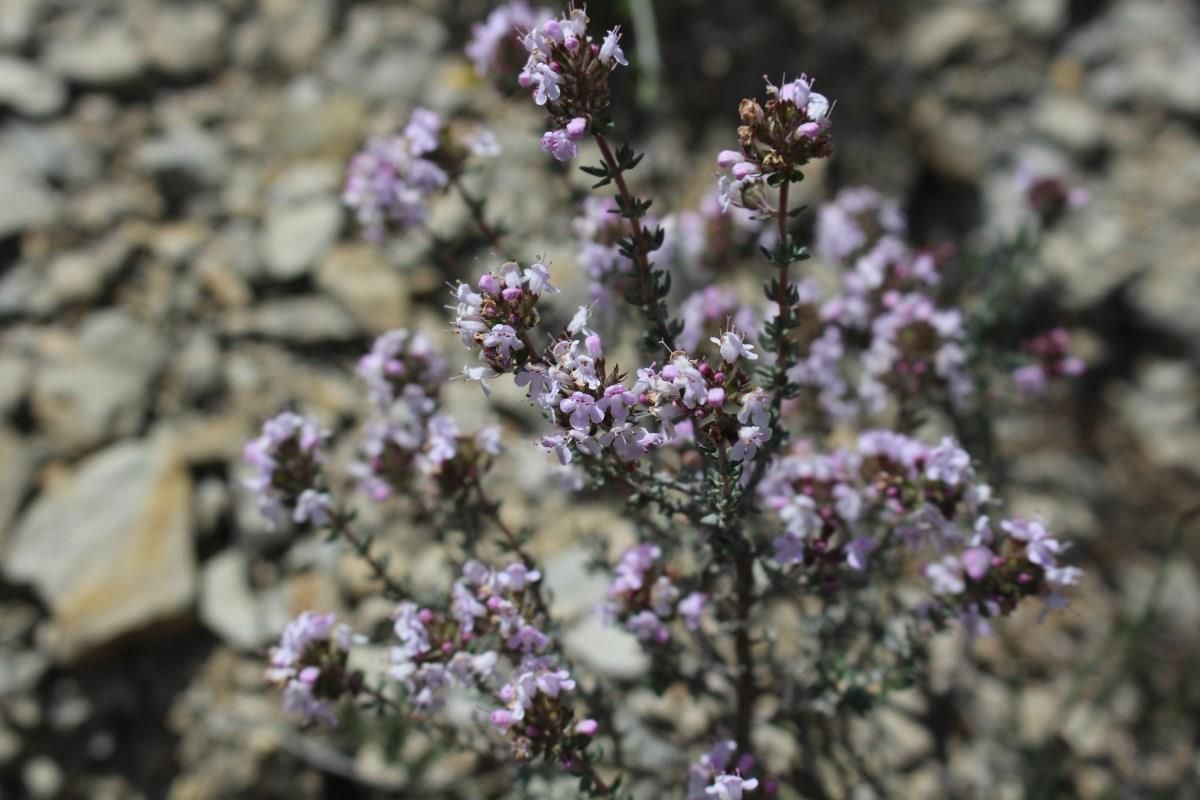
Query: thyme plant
{"type": "Point", "coordinates": [771, 455]}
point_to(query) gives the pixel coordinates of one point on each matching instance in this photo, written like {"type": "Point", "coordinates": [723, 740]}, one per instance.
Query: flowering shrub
{"type": "Point", "coordinates": [770, 455]}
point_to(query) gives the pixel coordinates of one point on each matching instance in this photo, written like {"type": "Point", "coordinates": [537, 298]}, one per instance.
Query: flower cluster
{"type": "Point", "coordinates": [593, 409]}
{"type": "Point", "coordinates": [403, 367]}
{"type": "Point", "coordinates": [396, 450]}
{"type": "Point", "coordinates": [841, 507]}
{"type": "Point", "coordinates": [994, 571]}
{"type": "Point", "coordinates": [1051, 354]}
{"type": "Point", "coordinates": [645, 599]}
{"type": "Point", "coordinates": [309, 663]}
{"type": "Point", "coordinates": [776, 139]}
{"type": "Point", "coordinates": [708, 776]}
{"type": "Point", "coordinates": [857, 218]}
{"type": "Point", "coordinates": [407, 436]}
{"type": "Point", "coordinates": [915, 347]}
{"type": "Point", "coordinates": [719, 402]}
{"type": "Point", "coordinates": [286, 459]}
{"type": "Point", "coordinates": [495, 45]}
{"type": "Point", "coordinates": [883, 334]}
{"type": "Point", "coordinates": [568, 74]}
{"type": "Point", "coordinates": [487, 640]}
{"type": "Point", "coordinates": [497, 317]}
{"type": "Point", "coordinates": [392, 181]}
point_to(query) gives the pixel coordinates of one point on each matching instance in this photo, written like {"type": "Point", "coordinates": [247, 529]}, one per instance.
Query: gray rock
{"type": "Point", "coordinates": [17, 21]}
{"type": "Point", "coordinates": [16, 468]}
{"type": "Point", "coordinates": [230, 607]}
{"type": "Point", "coordinates": [20, 669]}
{"type": "Point", "coordinates": [304, 320]}
{"type": "Point", "coordinates": [16, 374]}
{"type": "Point", "coordinates": [185, 39]}
{"type": "Point", "coordinates": [297, 236]}
{"type": "Point", "coordinates": [212, 503]}
{"type": "Point", "coordinates": [296, 31]}
{"type": "Point", "coordinates": [944, 32]}
{"type": "Point", "coordinates": [81, 275]}
{"type": "Point", "coordinates": [38, 205]}
{"type": "Point", "coordinates": [184, 159]}
{"type": "Point", "coordinates": [606, 649]}
{"type": "Point", "coordinates": [98, 389]}
{"type": "Point", "coordinates": [1163, 409]}
{"type": "Point", "coordinates": [43, 777]}
{"type": "Point", "coordinates": [97, 55]}
{"type": "Point", "coordinates": [1070, 121]}
{"type": "Point", "coordinates": [576, 590]}
{"type": "Point", "coordinates": [372, 290]}
{"type": "Point", "coordinates": [28, 90]}
{"type": "Point", "coordinates": [198, 365]}
{"type": "Point", "coordinates": [109, 548]}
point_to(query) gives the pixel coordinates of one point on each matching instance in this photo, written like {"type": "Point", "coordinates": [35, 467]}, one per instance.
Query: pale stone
{"type": "Point", "coordinates": [109, 549]}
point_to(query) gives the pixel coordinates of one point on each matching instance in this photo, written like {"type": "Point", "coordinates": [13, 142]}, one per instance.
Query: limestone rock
{"type": "Point", "coordinates": [230, 607]}
{"type": "Point", "coordinates": [29, 90]}
{"type": "Point", "coordinates": [109, 549]}
{"type": "Point", "coordinates": [97, 56]}
{"type": "Point", "coordinates": [372, 290]}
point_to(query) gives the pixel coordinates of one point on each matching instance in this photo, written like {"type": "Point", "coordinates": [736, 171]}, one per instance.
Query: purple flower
{"type": "Point", "coordinates": [389, 181]}
{"type": "Point", "coordinates": [286, 461]}
{"type": "Point", "coordinates": [857, 553]}
{"type": "Point", "coordinates": [545, 82]}
{"type": "Point", "coordinates": [504, 339]}
{"type": "Point", "coordinates": [731, 787]}
{"type": "Point", "coordinates": [750, 438]}
{"type": "Point", "coordinates": [977, 561]}
{"type": "Point", "coordinates": [559, 144]}
{"type": "Point", "coordinates": [789, 549]}
{"type": "Point", "coordinates": [946, 575]}
{"type": "Point", "coordinates": [610, 49]}
{"type": "Point", "coordinates": [948, 463]}
{"type": "Point", "coordinates": [583, 410]}
{"type": "Point", "coordinates": [647, 627]}
{"type": "Point", "coordinates": [489, 38]}
{"type": "Point", "coordinates": [1040, 547]}
{"type": "Point", "coordinates": [310, 643]}
{"type": "Point", "coordinates": [733, 347]}
{"type": "Point", "coordinates": [691, 609]}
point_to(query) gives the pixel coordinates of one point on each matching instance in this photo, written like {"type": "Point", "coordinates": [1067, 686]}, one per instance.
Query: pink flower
{"type": "Point", "coordinates": [559, 144]}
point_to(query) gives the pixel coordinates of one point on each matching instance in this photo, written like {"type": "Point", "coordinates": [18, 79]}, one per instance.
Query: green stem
{"type": "Point", "coordinates": [651, 306]}
{"type": "Point", "coordinates": [339, 526]}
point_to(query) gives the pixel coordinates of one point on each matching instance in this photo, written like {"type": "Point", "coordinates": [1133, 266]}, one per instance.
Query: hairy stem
{"type": "Point", "coordinates": [783, 299]}
{"type": "Point", "coordinates": [651, 307]}
{"type": "Point", "coordinates": [339, 526]}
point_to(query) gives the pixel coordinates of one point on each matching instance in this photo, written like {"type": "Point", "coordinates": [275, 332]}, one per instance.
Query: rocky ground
{"type": "Point", "coordinates": [175, 266]}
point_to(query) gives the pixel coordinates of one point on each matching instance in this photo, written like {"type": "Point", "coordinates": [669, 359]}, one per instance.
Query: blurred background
{"type": "Point", "coordinates": [175, 265]}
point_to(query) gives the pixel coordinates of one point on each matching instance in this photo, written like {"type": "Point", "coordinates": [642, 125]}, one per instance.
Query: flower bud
{"type": "Point", "coordinates": [727, 158]}
{"type": "Point", "coordinates": [577, 128]}
{"type": "Point", "coordinates": [489, 283]}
